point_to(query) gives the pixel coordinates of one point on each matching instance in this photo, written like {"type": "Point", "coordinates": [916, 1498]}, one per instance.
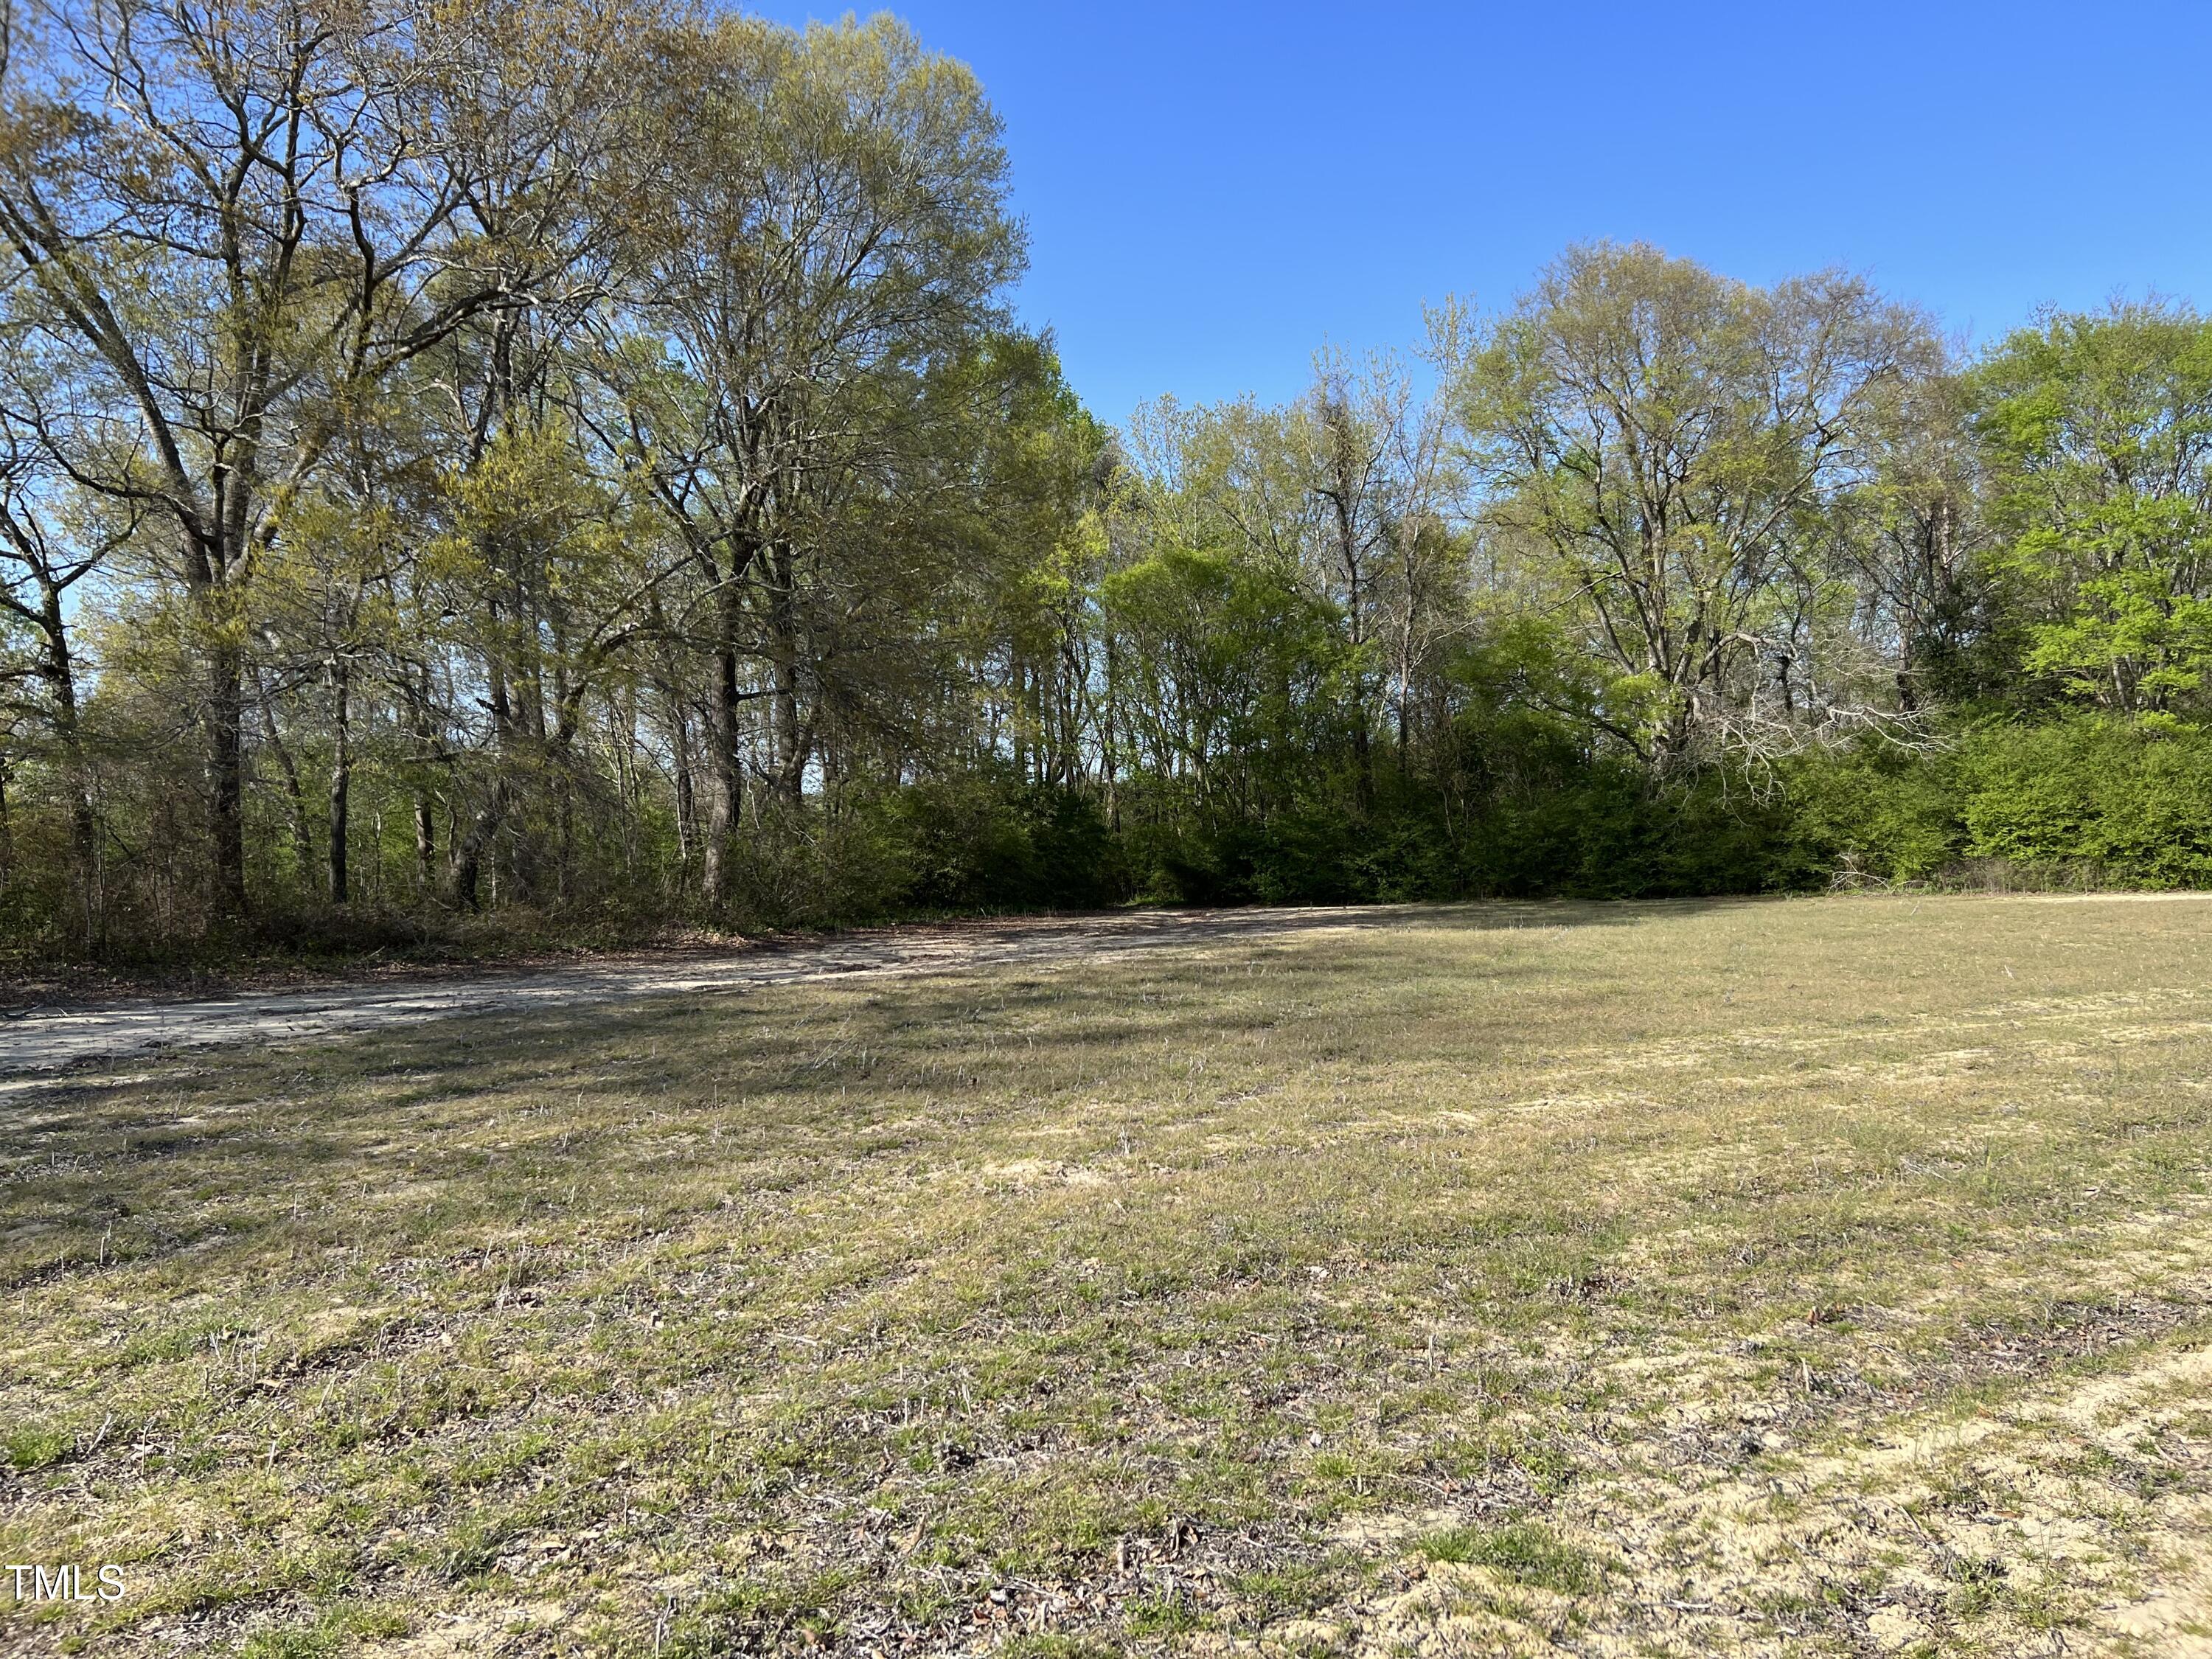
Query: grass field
{"type": "Point", "coordinates": [1795, 1277]}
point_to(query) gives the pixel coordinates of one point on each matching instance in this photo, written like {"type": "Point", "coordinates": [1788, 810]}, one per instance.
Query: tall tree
{"type": "Point", "coordinates": [2099, 430]}
{"type": "Point", "coordinates": [1667, 440]}
{"type": "Point", "coordinates": [833, 217]}
{"type": "Point", "coordinates": [237, 220]}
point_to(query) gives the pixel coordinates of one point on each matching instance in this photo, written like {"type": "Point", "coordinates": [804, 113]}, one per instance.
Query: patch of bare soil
{"type": "Point", "coordinates": [2070, 1519]}
{"type": "Point", "coordinates": [46, 1039]}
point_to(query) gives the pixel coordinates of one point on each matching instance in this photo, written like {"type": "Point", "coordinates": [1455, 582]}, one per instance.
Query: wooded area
{"type": "Point", "coordinates": [576, 462]}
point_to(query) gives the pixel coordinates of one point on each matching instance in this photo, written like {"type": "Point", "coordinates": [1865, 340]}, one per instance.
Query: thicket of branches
{"type": "Point", "coordinates": [575, 459]}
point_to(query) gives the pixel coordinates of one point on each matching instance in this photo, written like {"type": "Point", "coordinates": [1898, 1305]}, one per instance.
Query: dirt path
{"type": "Point", "coordinates": [41, 1040]}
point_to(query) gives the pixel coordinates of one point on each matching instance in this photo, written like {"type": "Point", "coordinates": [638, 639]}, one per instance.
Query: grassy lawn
{"type": "Point", "coordinates": [1806, 1276]}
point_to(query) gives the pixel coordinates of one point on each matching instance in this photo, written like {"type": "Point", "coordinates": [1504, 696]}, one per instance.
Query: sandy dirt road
{"type": "Point", "coordinates": [37, 1040]}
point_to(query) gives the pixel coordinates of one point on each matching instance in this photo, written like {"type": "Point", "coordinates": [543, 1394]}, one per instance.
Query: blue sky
{"type": "Point", "coordinates": [1214, 190]}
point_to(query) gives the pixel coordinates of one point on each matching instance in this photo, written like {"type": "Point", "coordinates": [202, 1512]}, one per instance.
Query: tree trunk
{"type": "Point", "coordinates": [59, 672]}
{"type": "Point", "coordinates": [1108, 758]}
{"type": "Point", "coordinates": [723, 800]}
{"type": "Point", "coordinates": [296, 797]}
{"type": "Point", "coordinates": [226, 777]}
{"type": "Point", "coordinates": [7, 831]}
{"type": "Point", "coordinates": [687, 804]}
{"type": "Point", "coordinates": [1362, 761]}
{"type": "Point", "coordinates": [426, 844]}
{"type": "Point", "coordinates": [469, 852]}
{"type": "Point", "coordinates": [341, 775]}
{"type": "Point", "coordinates": [783, 643]}
{"type": "Point", "coordinates": [428, 751]}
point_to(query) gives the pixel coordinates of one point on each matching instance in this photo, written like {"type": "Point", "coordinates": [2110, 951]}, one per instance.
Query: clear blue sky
{"type": "Point", "coordinates": [1213, 191]}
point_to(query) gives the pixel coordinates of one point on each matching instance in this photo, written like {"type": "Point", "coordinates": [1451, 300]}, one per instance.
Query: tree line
{"type": "Point", "coordinates": [575, 462]}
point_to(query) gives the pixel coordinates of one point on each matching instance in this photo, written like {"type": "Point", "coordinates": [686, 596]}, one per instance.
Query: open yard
{"type": "Point", "coordinates": [1788, 1277]}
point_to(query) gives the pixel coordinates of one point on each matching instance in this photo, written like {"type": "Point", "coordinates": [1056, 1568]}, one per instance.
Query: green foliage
{"type": "Point", "coordinates": [31, 1447]}
{"type": "Point", "coordinates": [1655, 441]}
{"type": "Point", "coordinates": [1876, 813]}
{"type": "Point", "coordinates": [1230, 667]}
{"type": "Point", "coordinates": [985, 841]}
{"type": "Point", "coordinates": [2132, 801]}
{"type": "Point", "coordinates": [2099, 430]}
{"type": "Point", "coordinates": [701, 598]}
{"type": "Point", "coordinates": [2088, 800]}
{"type": "Point", "coordinates": [1522, 1552]}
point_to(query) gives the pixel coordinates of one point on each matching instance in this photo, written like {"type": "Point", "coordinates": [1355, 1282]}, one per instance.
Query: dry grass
{"type": "Point", "coordinates": [1812, 1277]}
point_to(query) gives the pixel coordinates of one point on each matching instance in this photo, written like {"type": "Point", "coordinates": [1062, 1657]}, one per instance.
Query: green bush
{"type": "Point", "coordinates": [983, 841]}
{"type": "Point", "coordinates": [2130, 802]}
{"type": "Point", "coordinates": [1530, 811]}
{"type": "Point", "coordinates": [2082, 801]}
{"type": "Point", "coordinates": [1876, 813]}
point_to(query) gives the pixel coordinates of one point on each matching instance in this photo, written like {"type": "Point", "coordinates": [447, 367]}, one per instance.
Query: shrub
{"type": "Point", "coordinates": [2088, 800]}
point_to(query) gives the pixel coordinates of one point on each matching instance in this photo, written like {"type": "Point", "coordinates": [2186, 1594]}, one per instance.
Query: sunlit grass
{"type": "Point", "coordinates": [1512, 1275]}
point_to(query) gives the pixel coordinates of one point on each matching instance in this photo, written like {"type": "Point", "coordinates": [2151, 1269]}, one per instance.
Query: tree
{"type": "Point", "coordinates": [238, 221]}
{"type": "Point", "coordinates": [2099, 432]}
{"type": "Point", "coordinates": [1665, 442]}
{"type": "Point", "coordinates": [1912, 540]}
{"type": "Point", "coordinates": [53, 538]}
{"type": "Point", "coordinates": [831, 220]}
